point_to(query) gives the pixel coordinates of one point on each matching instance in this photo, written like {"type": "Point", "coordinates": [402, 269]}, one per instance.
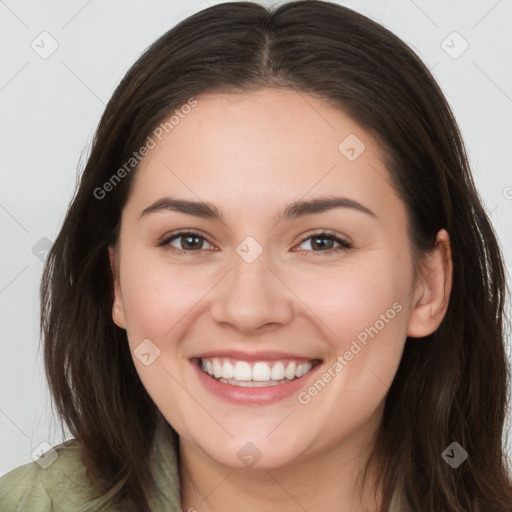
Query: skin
{"type": "Point", "coordinates": [251, 155]}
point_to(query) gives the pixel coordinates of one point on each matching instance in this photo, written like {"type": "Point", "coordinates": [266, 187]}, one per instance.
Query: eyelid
{"type": "Point", "coordinates": [341, 240]}
{"type": "Point", "coordinates": [173, 235]}
{"type": "Point", "coordinates": [344, 242]}
{"type": "Point", "coordinates": [326, 232]}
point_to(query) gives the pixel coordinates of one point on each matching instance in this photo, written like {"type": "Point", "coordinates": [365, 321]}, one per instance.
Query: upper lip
{"type": "Point", "coordinates": [265, 355]}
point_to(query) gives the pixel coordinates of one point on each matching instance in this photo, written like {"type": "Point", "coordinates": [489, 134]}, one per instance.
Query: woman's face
{"type": "Point", "coordinates": [272, 282]}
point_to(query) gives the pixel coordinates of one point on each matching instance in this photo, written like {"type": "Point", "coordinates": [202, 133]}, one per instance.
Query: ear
{"type": "Point", "coordinates": [117, 308]}
{"type": "Point", "coordinates": [431, 294]}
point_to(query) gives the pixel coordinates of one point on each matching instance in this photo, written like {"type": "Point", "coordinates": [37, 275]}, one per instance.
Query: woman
{"type": "Point", "coordinates": [276, 287]}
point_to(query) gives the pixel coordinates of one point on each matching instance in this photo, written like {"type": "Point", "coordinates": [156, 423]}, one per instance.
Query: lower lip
{"type": "Point", "coordinates": [253, 396]}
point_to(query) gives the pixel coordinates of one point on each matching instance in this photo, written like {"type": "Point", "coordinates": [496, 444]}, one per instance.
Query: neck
{"type": "Point", "coordinates": [330, 480]}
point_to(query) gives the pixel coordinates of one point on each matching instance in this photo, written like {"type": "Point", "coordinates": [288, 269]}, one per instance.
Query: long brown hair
{"type": "Point", "coordinates": [450, 386]}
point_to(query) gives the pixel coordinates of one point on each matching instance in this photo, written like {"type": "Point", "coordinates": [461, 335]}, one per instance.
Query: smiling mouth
{"type": "Point", "coordinates": [255, 374]}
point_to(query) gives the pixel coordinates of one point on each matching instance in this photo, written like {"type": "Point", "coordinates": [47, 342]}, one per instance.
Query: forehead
{"type": "Point", "coordinates": [270, 145]}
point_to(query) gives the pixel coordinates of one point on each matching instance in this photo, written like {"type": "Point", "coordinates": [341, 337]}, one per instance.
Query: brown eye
{"type": "Point", "coordinates": [324, 242]}
{"type": "Point", "coordinates": [191, 242]}
{"type": "Point", "coordinates": [185, 241]}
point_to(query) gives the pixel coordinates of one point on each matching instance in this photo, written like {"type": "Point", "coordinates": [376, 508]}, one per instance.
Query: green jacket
{"type": "Point", "coordinates": [64, 485]}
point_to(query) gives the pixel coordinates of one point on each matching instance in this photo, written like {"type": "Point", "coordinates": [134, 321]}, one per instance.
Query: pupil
{"type": "Point", "coordinates": [324, 245]}
{"type": "Point", "coordinates": [187, 244]}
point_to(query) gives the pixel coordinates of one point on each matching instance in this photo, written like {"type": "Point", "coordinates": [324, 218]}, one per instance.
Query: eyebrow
{"type": "Point", "coordinates": [295, 210]}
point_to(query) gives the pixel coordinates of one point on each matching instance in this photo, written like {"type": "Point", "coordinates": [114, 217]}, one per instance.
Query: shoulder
{"type": "Point", "coordinates": [57, 481]}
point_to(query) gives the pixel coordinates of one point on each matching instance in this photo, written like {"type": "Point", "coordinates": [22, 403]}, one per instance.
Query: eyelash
{"type": "Point", "coordinates": [344, 244]}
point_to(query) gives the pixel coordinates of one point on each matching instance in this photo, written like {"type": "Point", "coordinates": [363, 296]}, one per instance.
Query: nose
{"type": "Point", "coordinates": [252, 297]}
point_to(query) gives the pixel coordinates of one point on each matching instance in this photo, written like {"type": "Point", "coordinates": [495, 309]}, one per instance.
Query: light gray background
{"type": "Point", "coordinates": [49, 109]}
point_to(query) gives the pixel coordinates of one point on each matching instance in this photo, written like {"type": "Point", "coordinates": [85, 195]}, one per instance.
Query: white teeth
{"type": "Point", "coordinates": [251, 383]}
{"type": "Point", "coordinates": [242, 371]}
{"type": "Point", "coordinates": [228, 370]}
{"type": "Point", "coordinates": [277, 372]}
{"type": "Point", "coordinates": [302, 369]}
{"type": "Point", "coordinates": [258, 374]}
{"type": "Point", "coordinates": [217, 369]}
{"type": "Point", "coordinates": [290, 371]}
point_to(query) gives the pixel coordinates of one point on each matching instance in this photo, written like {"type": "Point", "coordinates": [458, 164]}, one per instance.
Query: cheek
{"type": "Point", "coordinates": [362, 309]}
{"type": "Point", "coordinates": [353, 296]}
{"type": "Point", "coordinates": [364, 314]}
{"type": "Point", "coordinates": [158, 295]}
